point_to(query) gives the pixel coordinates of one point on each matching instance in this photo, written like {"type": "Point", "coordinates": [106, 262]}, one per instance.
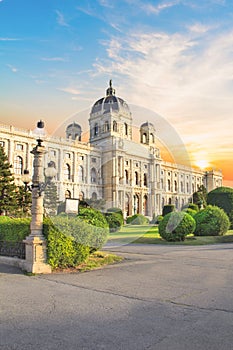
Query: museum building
{"type": "Point", "coordinates": [112, 166]}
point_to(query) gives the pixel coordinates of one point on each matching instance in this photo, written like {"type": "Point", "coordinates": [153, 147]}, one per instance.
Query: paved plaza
{"type": "Point", "coordinates": [159, 297]}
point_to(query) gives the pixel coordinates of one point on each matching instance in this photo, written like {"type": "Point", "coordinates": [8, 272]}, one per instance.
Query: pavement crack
{"type": "Point", "coordinates": [198, 307]}
{"type": "Point", "coordinates": [109, 292]}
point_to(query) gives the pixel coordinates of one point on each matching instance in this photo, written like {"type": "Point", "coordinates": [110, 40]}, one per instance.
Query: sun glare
{"type": "Point", "coordinates": [202, 163]}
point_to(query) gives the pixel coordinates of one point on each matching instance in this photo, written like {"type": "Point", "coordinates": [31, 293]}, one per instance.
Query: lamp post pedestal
{"type": "Point", "coordinates": [36, 256]}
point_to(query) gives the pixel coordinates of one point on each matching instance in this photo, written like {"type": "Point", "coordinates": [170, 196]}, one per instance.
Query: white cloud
{"type": "Point", "coordinates": [61, 19]}
{"type": "Point", "coordinates": [9, 39]}
{"type": "Point", "coordinates": [200, 28]}
{"type": "Point", "coordinates": [149, 8]}
{"type": "Point", "coordinates": [188, 80]}
{"type": "Point", "coordinates": [12, 68]}
{"type": "Point", "coordinates": [70, 90]}
{"type": "Point", "coordinates": [106, 3]}
{"type": "Point", "coordinates": [53, 59]}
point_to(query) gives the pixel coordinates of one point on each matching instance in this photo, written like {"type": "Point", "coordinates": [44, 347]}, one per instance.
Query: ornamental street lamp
{"type": "Point", "coordinates": [36, 257]}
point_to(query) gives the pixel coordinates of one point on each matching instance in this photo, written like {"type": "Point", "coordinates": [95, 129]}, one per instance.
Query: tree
{"type": "Point", "coordinates": [8, 195]}
{"type": "Point", "coordinates": [222, 197]}
{"type": "Point", "coordinates": [50, 199]}
{"type": "Point", "coordinates": [24, 199]}
{"type": "Point", "coordinates": [200, 196]}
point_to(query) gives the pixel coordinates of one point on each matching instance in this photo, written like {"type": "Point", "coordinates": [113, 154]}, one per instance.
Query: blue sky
{"type": "Point", "coordinates": [174, 57]}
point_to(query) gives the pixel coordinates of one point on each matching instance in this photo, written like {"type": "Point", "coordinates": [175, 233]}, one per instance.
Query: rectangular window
{"type": "Point", "coordinates": [81, 158]}
{"type": "Point", "coordinates": [52, 153]}
{"type": "Point", "coordinates": [67, 155]}
{"type": "Point", "coordinates": [2, 143]}
{"type": "Point", "coordinates": [19, 147]}
{"type": "Point", "coordinates": [93, 160]}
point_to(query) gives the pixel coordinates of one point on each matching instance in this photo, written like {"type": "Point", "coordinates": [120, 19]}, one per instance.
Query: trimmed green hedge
{"type": "Point", "coordinates": [176, 226]}
{"type": "Point", "coordinates": [93, 217]}
{"type": "Point", "coordinates": [14, 229]}
{"type": "Point", "coordinates": [211, 221]}
{"type": "Point", "coordinates": [137, 219]}
{"type": "Point", "coordinates": [222, 197]}
{"type": "Point", "coordinates": [190, 211]}
{"type": "Point", "coordinates": [115, 221]}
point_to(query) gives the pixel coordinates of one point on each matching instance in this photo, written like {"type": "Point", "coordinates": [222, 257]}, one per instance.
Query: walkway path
{"type": "Point", "coordinates": [160, 297]}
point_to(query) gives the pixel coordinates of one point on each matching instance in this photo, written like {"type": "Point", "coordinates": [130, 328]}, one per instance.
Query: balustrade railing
{"type": "Point", "coordinates": [12, 249]}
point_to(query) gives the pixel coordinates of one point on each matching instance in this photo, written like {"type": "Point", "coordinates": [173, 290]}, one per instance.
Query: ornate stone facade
{"type": "Point", "coordinates": [127, 174]}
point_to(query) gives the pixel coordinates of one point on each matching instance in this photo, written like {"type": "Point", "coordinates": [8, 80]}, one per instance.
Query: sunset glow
{"type": "Point", "coordinates": [174, 58]}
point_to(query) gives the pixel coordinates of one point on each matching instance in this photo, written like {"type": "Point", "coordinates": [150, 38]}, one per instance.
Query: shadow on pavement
{"type": "Point", "coordinates": [4, 268]}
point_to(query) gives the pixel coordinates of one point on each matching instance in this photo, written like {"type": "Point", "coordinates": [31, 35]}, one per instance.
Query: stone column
{"type": "Point", "coordinates": [36, 256]}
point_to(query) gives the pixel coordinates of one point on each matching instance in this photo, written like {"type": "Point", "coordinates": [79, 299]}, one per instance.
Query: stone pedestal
{"type": "Point", "coordinates": [36, 255]}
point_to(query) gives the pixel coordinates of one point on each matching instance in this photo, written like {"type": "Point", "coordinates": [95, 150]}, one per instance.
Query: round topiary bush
{"type": "Point", "coordinates": [193, 206]}
{"type": "Point", "coordinates": [137, 219]}
{"type": "Point", "coordinates": [176, 226]}
{"type": "Point", "coordinates": [211, 221]}
{"type": "Point", "coordinates": [222, 197]}
{"type": "Point", "coordinates": [115, 221]}
{"type": "Point", "coordinates": [190, 211]}
{"type": "Point", "coordinates": [93, 217]}
{"type": "Point", "coordinates": [115, 210]}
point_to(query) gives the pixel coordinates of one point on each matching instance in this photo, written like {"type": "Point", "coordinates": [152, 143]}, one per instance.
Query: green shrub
{"type": "Point", "coordinates": [70, 240]}
{"type": "Point", "coordinates": [62, 250]}
{"type": "Point", "coordinates": [93, 217]}
{"type": "Point", "coordinates": [169, 208]}
{"type": "Point", "coordinates": [193, 206]}
{"type": "Point", "coordinates": [156, 219]}
{"type": "Point", "coordinates": [115, 210]}
{"type": "Point", "coordinates": [14, 229]}
{"type": "Point", "coordinates": [176, 226]}
{"type": "Point", "coordinates": [211, 221]}
{"type": "Point", "coordinates": [115, 221]}
{"type": "Point", "coordinates": [222, 197]}
{"type": "Point", "coordinates": [137, 219]}
{"type": "Point", "coordinates": [190, 211]}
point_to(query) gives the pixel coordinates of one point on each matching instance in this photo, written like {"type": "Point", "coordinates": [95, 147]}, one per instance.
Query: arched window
{"type": "Point", "coordinates": [169, 185]}
{"type": "Point", "coordinates": [136, 180]}
{"type": "Point", "coordinates": [145, 180]}
{"type": "Point", "coordinates": [126, 128]}
{"type": "Point", "coordinates": [94, 196]}
{"type": "Point", "coordinates": [80, 174]}
{"type": "Point", "coordinates": [127, 204]}
{"type": "Point", "coordinates": [67, 174]}
{"type": "Point", "coordinates": [163, 202]}
{"type": "Point", "coordinates": [136, 204]}
{"type": "Point", "coordinates": [93, 175]}
{"type": "Point", "coordinates": [161, 184]}
{"type": "Point", "coordinates": [169, 201]}
{"type": "Point", "coordinates": [144, 138]}
{"type": "Point", "coordinates": [181, 187]}
{"type": "Point", "coordinates": [187, 188]}
{"type": "Point", "coordinates": [175, 186]}
{"type": "Point", "coordinates": [152, 138]}
{"type": "Point", "coordinates": [18, 165]}
{"type": "Point", "coordinates": [106, 126]}
{"type": "Point", "coordinates": [114, 126]}
{"type": "Point", "coordinates": [126, 177]}
{"type": "Point", "coordinates": [193, 188]}
{"type": "Point", "coordinates": [67, 194]}
{"type": "Point", "coordinates": [177, 203]}
{"type": "Point", "coordinates": [96, 129]}
{"type": "Point", "coordinates": [145, 206]}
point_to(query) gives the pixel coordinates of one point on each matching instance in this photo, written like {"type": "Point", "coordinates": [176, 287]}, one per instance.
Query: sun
{"type": "Point", "coordinates": [202, 163]}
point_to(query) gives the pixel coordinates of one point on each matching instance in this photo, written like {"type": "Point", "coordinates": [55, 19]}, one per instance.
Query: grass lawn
{"type": "Point", "coordinates": [95, 260]}
{"type": "Point", "coordinates": [148, 234]}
